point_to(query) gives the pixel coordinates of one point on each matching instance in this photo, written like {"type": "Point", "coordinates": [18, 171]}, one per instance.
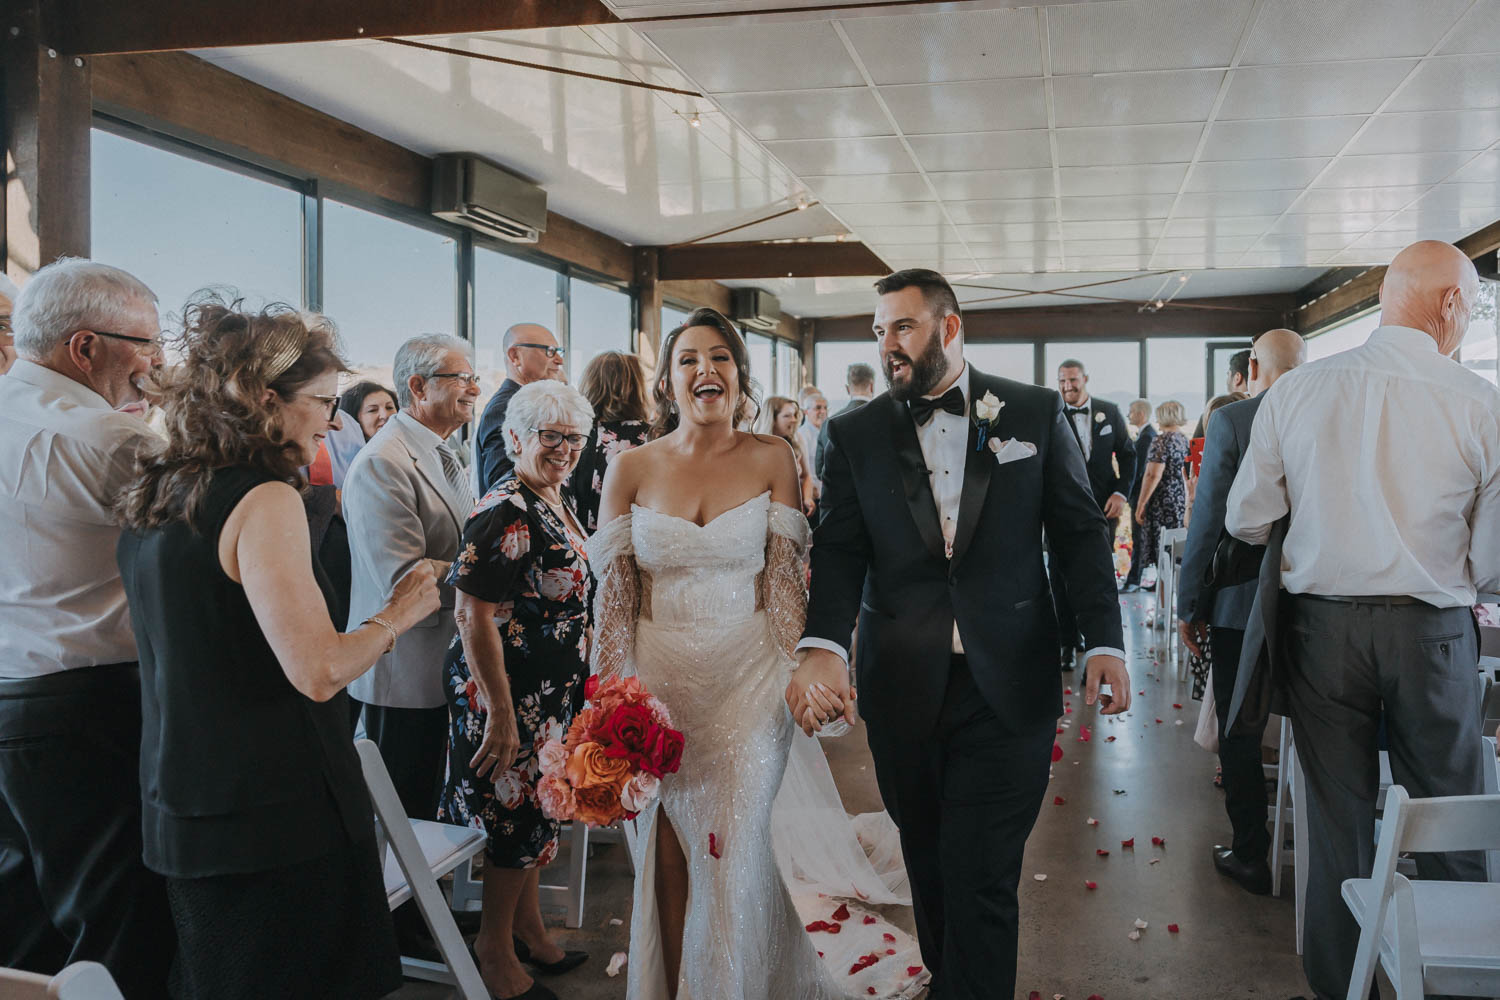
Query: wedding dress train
{"type": "Point", "coordinates": [707, 616]}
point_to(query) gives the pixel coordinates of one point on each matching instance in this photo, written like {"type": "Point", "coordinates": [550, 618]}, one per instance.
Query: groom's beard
{"type": "Point", "coordinates": [923, 373]}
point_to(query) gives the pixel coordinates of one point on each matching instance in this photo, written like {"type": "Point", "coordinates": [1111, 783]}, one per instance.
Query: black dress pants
{"type": "Point", "coordinates": [72, 884]}
{"type": "Point", "coordinates": [1244, 777]}
{"type": "Point", "coordinates": [413, 744]}
{"type": "Point", "coordinates": [1067, 621]}
{"type": "Point", "coordinates": [965, 801]}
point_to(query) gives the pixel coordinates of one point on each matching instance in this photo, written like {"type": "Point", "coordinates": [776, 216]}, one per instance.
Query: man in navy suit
{"type": "Point", "coordinates": [1140, 418]}
{"type": "Point", "coordinates": [1109, 457]}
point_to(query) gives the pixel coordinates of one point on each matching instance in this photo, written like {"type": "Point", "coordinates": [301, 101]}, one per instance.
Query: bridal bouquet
{"type": "Point", "coordinates": [610, 765]}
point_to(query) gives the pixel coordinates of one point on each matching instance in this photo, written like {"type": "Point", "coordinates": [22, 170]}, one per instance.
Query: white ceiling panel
{"type": "Point", "coordinates": [1090, 147]}
{"type": "Point", "coordinates": [975, 106]}
{"type": "Point", "coordinates": [1317, 89]}
{"type": "Point", "coordinates": [1150, 206]}
{"type": "Point", "coordinates": [1299, 31]}
{"type": "Point", "coordinates": [1272, 258]}
{"type": "Point", "coordinates": [980, 185]}
{"type": "Point", "coordinates": [833, 157]}
{"type": "Point", "coordinates": [1306, 243]}
{"type": "Point", "coordinates": [1255, 175]}
{"type": "Point", "coordinates": [928, 213]}
{"type": "Point", "coordinates": [1451, 82]}
{"type": "Point", "coordinates": [1383, 199]}
{"type": "Point", "coordinates": [815, 221]}
{"type": "Point", "coordinates": [1429, 131]}
{"type": "Point", "coordinates": [942, 48]}
{"type": "Point", "coordinates": [1350, 224]}
{"type": "Point", "coordinates": [996, 150]}
{"type": "Point", "coordinates": [870, 187]}
{"type": "Point", "coordinates": [817, 114]}
{"type": "Point", "coordinates": [1479, 31]}
{"type": "Point", "coordinates": [908, 235]}
{"type": "Point", "coordinates": [1463, 196]}
{"type": "Point", "coordinates": [1393, 169]}
{"type": "Point", "coordinates": [1003, 210]}
{"type": "Point", "coordinates": [1113, 230]}
{"type": "Point", "coordinates": [1135, 98]}
{"type": "Point", "coordinates": [1110, 248]}
{"type": "Point", "coordinates": [1216, 243]}
{"type": "Point", "coordinates": [1136, 178]}
{"type": "Point", "coordinates": [1008, 233]}
{"type": "Point", "coordinates": [788, 56]}
{"type": "Point", "coordinates": [1219, 204]}
{"type": "Point", "coordinates": [1246, 225]}
{"type": "Point", "coordinates": [1264, 138]}
{"type": "Point", "coordinates": [1018, 265]}
{"type": "Point", "coordinates": [1145, 34]}
{"type": "Point", "coordinates": [1481, 169]}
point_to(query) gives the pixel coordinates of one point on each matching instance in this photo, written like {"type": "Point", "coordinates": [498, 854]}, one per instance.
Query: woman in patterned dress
{"type": "Point", "coordinates": [615, 387]}
{"type": "Point", "coordinates": [1163, 502]}
{"type": "Point", "coordinates": [515, 674]}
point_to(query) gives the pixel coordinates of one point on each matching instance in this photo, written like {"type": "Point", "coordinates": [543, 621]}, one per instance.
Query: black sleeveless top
{"type": "Point", "coordinates": [240, 772]}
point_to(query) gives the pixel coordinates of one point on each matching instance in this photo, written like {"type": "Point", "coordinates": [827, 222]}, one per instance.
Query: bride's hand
{"type": "Point", "coordinates": [819, 668]}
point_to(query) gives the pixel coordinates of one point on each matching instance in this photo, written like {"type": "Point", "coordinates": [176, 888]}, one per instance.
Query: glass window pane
{"type": "Point", "coordinates": [788, 369]}
{"type": "Point", "coordinates": [831, 361]}
{"type": "Point", "coordinates": [1113, 367]}
{"type": "Point", "coordinates": [180, 224]}
{"type": "Point", "coordinates": [1175, 369]}
{"type": "Point", "coordinates": [507, 291]}
{"type": "Point", "coordinates": [385, 281]}
{"type": "Point", "coordinates": [1008, 360]}
{"type": "Point", "coordinates": [672, 318]}
{"type": "Point", "coordinates": [1350, 333]}
{"type": "Point", "coordinates": [599, 322]}
{"type": "Point", "coordinates": [1481, 347]}
{"type": "Point", "coordinates": [759, 346]}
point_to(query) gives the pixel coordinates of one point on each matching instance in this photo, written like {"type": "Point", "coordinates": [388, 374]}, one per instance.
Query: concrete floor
{"type": "Point", "coordinates": [1074, 941]}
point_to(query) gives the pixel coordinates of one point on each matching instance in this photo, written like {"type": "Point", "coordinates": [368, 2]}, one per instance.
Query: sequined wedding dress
{"type": "Point", "coordinates": [707, 616]}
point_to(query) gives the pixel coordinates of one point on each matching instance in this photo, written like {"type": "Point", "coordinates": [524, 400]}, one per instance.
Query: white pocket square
{"type": "Point", "coordinates": [1011, 450]}
{"type": "Point", "coordinates": [1106, 429]}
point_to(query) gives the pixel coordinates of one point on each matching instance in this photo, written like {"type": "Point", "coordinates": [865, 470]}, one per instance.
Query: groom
{"type": "Point", "coordinates": [935, 498]}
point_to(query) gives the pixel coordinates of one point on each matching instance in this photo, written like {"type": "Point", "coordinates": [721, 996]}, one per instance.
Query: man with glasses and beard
{"type": "Point", "coordinates": [531, 354]}
{"type": "Point", "coordinates": [935, 499]}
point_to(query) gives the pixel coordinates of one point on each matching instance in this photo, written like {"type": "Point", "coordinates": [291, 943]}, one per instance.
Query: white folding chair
{"type": "Point", "coordinates": [416, 853]}
{"type": "Point", "coordinates": [1283, 809]}
{"type": "Point", "coordinates": [1429, 936]}
{"type": "Point", "coordinates": [79, 981]}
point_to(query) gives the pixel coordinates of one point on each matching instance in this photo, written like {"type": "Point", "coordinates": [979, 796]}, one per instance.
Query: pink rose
{"type": "Point", "coordinates": [555, 796]}
{"type": "Point", "coordinates": [510, 789]}
{"type": "Point", "coordinates": [639, 792]}
{"type": "Point", "coordinates": [553, 758]}
{"type": "Point", "coordinates": [659, 712]}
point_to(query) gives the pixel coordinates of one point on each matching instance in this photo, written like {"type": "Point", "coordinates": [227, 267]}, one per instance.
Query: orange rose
{"type": "Point", "coordinates": [598, 805]}
{"type": "Point", "coordinates": [588, 767]}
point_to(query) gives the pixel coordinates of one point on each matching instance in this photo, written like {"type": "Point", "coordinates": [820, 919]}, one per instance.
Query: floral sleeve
{"type": "Point", "coordinates": [617, 604]}
{"type": "Point", "coordinates": [495, 550]}
{"type": "Point", "coordinates": [784, 581]}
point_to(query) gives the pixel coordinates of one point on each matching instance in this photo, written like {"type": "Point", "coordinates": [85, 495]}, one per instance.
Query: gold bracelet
{"type": "Point", "coordinates": [377, 620]}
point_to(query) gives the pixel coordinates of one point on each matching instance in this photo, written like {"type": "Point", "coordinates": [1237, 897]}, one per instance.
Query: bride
{"type": "Point", "coordinates": [701, 594]}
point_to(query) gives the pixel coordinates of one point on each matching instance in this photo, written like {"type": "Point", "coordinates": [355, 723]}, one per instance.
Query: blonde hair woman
{"type": "Point", "coordinates": [780, 418]}
{"type": "Point", "coordinates": [1163, 503]}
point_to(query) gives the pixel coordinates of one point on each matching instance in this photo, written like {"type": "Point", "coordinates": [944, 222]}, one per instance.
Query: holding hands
{"type": "Point", "coordinates": [819, 690]}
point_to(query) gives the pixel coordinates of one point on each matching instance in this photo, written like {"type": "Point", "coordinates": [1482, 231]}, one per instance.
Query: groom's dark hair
{"type": "Point", "coordinates": [935, 289]}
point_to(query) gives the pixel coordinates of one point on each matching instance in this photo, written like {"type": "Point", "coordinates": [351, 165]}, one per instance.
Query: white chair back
{"type": "Point", "coordinates": [79, 981]}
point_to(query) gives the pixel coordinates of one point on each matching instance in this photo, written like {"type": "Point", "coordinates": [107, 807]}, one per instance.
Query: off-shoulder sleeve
{"type": "Point", "coordinates": [617, 603]}
{"type": "Point", "coordinates": [784, 582]}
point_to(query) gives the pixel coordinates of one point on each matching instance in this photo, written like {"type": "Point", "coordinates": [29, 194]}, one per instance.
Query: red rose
{"type": "Point", "coordinates": [664, 755]}
{"type": "Point", "coordinates": [590, 686]}
{"type": "Point", "coordinates": [627, 732]}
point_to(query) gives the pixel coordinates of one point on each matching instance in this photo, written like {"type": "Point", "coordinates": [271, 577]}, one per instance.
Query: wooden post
{"type": "Point", "coordinates": [648, 305]}
{"type": "Point", "coordinates": [808, 329]}
{"type": "Point", "coordinates": [47, 114]}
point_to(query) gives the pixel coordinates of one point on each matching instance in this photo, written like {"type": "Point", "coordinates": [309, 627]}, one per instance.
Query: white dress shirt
{"type": "Point", "coordinates": [1388, 457]}
{"type": "Point", "coordinates": [1083, 427]}
{"type": "Point", "coordinates": [65, 455]}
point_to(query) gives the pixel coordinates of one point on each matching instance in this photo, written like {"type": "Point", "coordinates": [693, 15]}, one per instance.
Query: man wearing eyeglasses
{"type": "Point", "coordinates": [531, 354]}
{"type": "Point", "coordinates": [72, 885]}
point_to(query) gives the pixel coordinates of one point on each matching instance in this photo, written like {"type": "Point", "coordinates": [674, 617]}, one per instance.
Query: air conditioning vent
{"type": "Point", "coordinates": [487, 198]}
{"type": "Point", "coordinates": [755, 308]}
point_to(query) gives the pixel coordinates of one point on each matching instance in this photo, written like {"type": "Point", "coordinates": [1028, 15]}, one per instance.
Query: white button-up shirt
{"type": "Point", "coordinates": [65, 456]}
{"type": "Point", "coordinates": [1388, 457]}
{"type": "Point", "coordinates": [1083, 427]}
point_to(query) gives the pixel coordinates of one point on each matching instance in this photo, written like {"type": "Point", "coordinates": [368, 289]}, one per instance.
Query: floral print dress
{"type": "Point", "coordinates": [521, 555]}
{"type": "Point", "coordinates": [609, 439]}
{"type": "Point", "coordinates": [1168, 504]}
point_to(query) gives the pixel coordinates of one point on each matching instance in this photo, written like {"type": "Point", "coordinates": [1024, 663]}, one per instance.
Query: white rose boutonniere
{"type": "Point", "coordinates": [986, 412]}
{"type": "Point", "coordinates": [1099, 417]}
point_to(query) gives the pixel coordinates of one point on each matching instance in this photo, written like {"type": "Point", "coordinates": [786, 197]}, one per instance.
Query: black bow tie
{"type": "Point", "coordinates": [1073, 411]}
{"type": "Point", "coordinates": [922, 408]}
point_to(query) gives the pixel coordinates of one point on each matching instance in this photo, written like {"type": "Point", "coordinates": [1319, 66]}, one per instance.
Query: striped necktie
{"type": "Point", "coordinates": [453, 471]}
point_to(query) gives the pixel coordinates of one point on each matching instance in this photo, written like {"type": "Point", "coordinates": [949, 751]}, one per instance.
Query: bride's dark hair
{"type": "Point", "coordinates": [746, 409]}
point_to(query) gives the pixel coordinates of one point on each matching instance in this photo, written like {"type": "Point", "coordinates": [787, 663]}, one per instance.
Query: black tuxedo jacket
{"type": "Point", "coordinates": [878, 555]}
{"type": "Point", "coordinates": [820, 460]}
{"type": "Point", "coordinates": [1110, 440]}
{"type": "Point", "coordinates": [1142, 453]}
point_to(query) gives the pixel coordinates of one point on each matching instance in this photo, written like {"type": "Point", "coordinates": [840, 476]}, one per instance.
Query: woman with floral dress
{"type": "Point", "coordinates": [1163, 503]}
{"type": "Point", "coordinates": [515, 674]}
{"type": "Point", "coordinates": [615, 387]}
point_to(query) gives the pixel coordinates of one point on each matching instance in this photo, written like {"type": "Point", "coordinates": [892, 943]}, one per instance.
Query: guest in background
{"type": "Point", "coordinates": [254, 804]}
{"type": "Point", "coordinates": [1385, 459]}
{"type": "Point", "coordinates": [531, 354]}
{"type": "Point", "coordinates": [814, 407]}
{"type": "Point", "coordinates": [522, 577]}
{"type": "Point", "coordinates": [1195, 444]}
{"type": "Point", "coordinates": [1212, 622]}
{"type": "Point", "coordinates": [1109, 458]}
{"type": "Point", "coordinates": [779, 417]}
{"type": "Point", "coordinates": [8, 293]}
{"type": "Point", "coordinates": [370, 404]}
{"type": "Point", "coordinates": [615, 387]}
{"type": "Point", "coordinates": [1139, 416]}
{"type": "Point", "coordinates": [1163, 487]}
{"type": "Point", "coordinates": [72, 886]}
{"type": "Point", "coordinates": [859, 383]}
{"type": "Point", "coordinates": [1237, 379]}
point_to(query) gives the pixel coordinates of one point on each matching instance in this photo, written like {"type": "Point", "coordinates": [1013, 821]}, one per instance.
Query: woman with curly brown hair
{"type": "Point", "coordinates": [254, 807]}
{"type": "Point", "coordinates": [615, 387]}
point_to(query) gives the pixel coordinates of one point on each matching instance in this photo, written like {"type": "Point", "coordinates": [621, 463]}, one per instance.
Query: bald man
{"type": "Point", "coordinates": [1218, 614]}
{"type": "Point", "coordinates": [531, 354]}
{"type": "Point", "coordinates": [1385, 461]}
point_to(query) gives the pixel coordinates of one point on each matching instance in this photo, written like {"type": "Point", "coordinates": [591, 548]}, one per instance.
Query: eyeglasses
{"type": "Point", "coordinates": [467, 378]}
{"type": "Point", "coordinates": [332, 403]}
{"type": "Point", "coordinates": [551, 439]}
{"type": "Point", "coordinates": [150, 346]}
{"type": "Point", "coordinates": [552, 352]}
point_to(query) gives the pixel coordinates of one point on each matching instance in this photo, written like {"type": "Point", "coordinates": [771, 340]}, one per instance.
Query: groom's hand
{"type": "Point", "coordinates": [1102, 668]}
{"type": "Point", "coordinates": [819, 689]}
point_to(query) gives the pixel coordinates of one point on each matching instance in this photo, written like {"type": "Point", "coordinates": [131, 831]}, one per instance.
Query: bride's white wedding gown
{"type": "Point", "coordinates": [707, 616]}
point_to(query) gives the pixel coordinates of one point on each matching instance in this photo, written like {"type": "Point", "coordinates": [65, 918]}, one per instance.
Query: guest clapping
{"type": "Point", "coordinates": [254, 804]}
{"type": "Point", "coordinates": [615, 387]}
{"type": "Point", "coordinates": [513, 681]}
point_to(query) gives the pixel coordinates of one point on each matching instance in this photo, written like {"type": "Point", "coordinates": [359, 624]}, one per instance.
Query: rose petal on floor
{"type": "Point", "coordinates": [889, 937]}
{"type": "Point", "coordinates": [616, 963]}
{"type": "Point", "coordinates": [1134, 935]}
{"type": "Point", "coordinates": [1176, 705]}
{"type": "Point", "coordinates": [1158, 841]}
{"type": "Point", "coordinates": [1040, 877]}
{"type": "Point", "coordinates": [1093, 822]}
{"type": "Point", "coordinates": [1057, 754]}
{"type": "Point", "coordinates": [1140, 924]}
{"type": "Point", "coordinates": [713, 846]}
{"type": "Point", "coordinates": [842, 913]}
{"type": "Point", "coordinates": [1091, 885]}
{"type": "Point", "coordinates": [869, 919]}
{"type": "Point", "coordinates": [1172, 928]}
{"type": "Point", "coordinates": [1058, 800]}
{"type": "Point", "coordinates": [1128, 843]}
{"type": "Point", "coordinates": [1102, 853]}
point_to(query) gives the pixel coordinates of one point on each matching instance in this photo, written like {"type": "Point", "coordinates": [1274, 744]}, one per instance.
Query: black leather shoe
{"type": "Point", "coordinates": [1068, 657]}
{"type": "Point", "coordinates": [570, 960]}
{"type": "Point", "coordinates": [537, 992]}
{"type": "Point", "coordinates": [1253, 876]}
{"type": "Point", "coordinates": [467, 921]}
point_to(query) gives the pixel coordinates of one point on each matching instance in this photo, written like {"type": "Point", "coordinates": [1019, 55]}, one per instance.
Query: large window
{"type": "Point", "coordinates": [1008, 360]}
{"type": "Point", "coordinates": [180, 224]}
{"type": "Point", "coordinates": [1350, 333]}
{"type": "Point", "coordinates": [1480, 350]}
{"type": "Point", "coordinates": [385, 281]}
{"type": "Point", "coordinates": [1113, 367]}
{"type": "Point", "coordinates": [599, 322]}
{"type": "Point", "coordinates": [788, 369]}
{"type": "Point", "coordinates": [831, 368]}
{"type": "Point", "coordinates": [1176, 369]}
{"type": "Point", "coordinates": [507, 291]}
{"type": "Point", "coordinates": [762, 372]}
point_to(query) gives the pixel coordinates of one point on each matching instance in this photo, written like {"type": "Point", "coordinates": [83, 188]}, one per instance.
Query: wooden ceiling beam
{"type": "Point", "coordinates": [97, 27]}
{"type": "Point", "coordinates": [717, 261]}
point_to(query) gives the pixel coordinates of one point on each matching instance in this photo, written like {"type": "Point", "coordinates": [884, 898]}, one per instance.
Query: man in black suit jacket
{"type": "Point", "coordinates": [1139, 416]}
{"type": "Point", "coordinates": [531, 354]}
{"type": "Point", "coordinates": [935, 498]}
{"type": "Point", "coordinates": [859, 383]}
{"type": "Point", "coordinates": [1109, 455]}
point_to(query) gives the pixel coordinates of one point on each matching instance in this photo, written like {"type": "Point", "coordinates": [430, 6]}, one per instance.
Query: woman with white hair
{"type": "Point", "coordinates": [515, 680]}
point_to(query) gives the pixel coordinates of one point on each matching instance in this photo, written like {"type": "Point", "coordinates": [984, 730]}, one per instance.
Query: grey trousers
{"type": "Point", "coordinates": [1346, 665]}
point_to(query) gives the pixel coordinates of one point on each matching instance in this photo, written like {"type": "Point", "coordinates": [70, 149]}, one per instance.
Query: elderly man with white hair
{"type": "Point", "coordinates": [517, 677]}
{"type": "Point", "coordinates": [72, 885]}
